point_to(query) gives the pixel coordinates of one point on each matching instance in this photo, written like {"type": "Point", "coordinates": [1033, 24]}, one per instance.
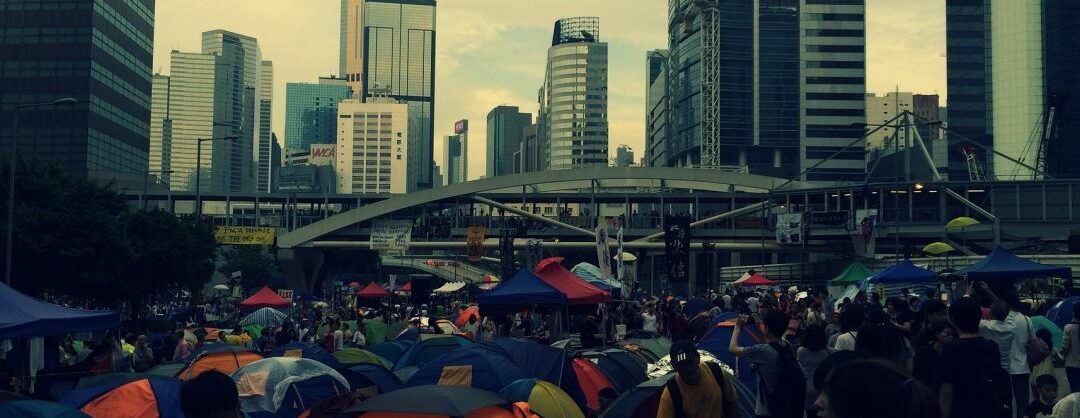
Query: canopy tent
{"type": "Point", "coordinates": [577, 291]}
{"type": "Point", "coordinates": [593, 275]}
{"type": "Point", "coordinates": [449, 287]}
{"type": "Point", "coordinates": [24, 316]}
{"type": "Point", "coordinates": [853, 274]}
{"type": "Point", "coordinates": [755, 279]}
{"type": "Point", "coordinates": [904, 272]}
{"type": "Point", "coordinates": [407, 287]}
{"type": "Point", "coordinates": [372, 290]}
{"type": "Point", "coordinates": [523, 288]}
{"type": "Point", "coordinates": [1001, 264]}
{"type": "Point", "coordinates": [265, 298]}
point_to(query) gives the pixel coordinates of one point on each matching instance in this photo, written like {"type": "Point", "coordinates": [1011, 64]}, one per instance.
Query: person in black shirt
{"type": "Point", "coordinates": [962, 366]}
{"type": "Point", "coordinates": [926, 359]}
{"type": "Point", "coordinates": [1046, 387]}
{"type": "Point", "coordinates": [933, 311]}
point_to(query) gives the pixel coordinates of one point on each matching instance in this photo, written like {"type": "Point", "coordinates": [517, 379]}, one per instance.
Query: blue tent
{"type": "Point", "coordinates": [23, 316]}
{"type": "Point", "coordinates": [33, 408]}
{"type": "Point", "coordinates": [543, 362]}
{"type": "Point", "coordinates": [1062, 312]}
{"type": "Point", "coordinates": [695, 306]}
{"type": "Point", "coordinates": [478, 366]}
{"type": "Point", "coordinates": [409, 335]}
{"type": "Point", "coordinates": [391, 351]}
{"type": "Point", "coordinates": [366, 375]}
{"type": "Point", "coordinates": [523, 288]}
{"type": "Point", "coordinates": [1002, 265]}
{"type": "Point", "coordinates": [716, 340]}
{"type": "Point", "coordinates": [903, 272]}
{"type": "Point", "coordinates": [428, 349]}
{"type": "Point", "coordinates": [160, 394]}
{"type": "Point", "coordinates": [308, 351]}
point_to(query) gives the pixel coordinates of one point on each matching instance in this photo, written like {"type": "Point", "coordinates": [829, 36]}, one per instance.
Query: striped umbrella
{"type": "Point", "coordinates": [267, 317]}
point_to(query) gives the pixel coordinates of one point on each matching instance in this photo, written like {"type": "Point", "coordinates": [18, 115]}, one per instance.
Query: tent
{"type": "Point", "coordinates": [145, 397]}
{"type": "Point", "coordinates": [755, 279]}
{"type": "Point", "coordinates": [904, 272]}
{"type": "Point", "coordinates": [33, 408]}
{"type": "Point", "coordinates": [390, 350]}
{"type": "Point", "coordinates": [644, 400]}
{"type": "Point", "coordinates": [523, 288]}
{"type": "Point", "coordinates": [479, 366]}
{"type": "Point", "coordinates": [716, 339]}
{"type": "Point", "coordinates": [852, 275]}
{"type": "Point", "coordinates": [592, 274]}
{"type": "Point", "coordinates": [309, 351]}
{"type": "Point", "coordinates": [542, 362]}
{"type": "Point", "coordinates": [375, 331]}
{"type": "Point", "coordinates": [433, 401]}
{"type": "Point", "coordinates": [428, 348]}
{"type": "Point", "coordinates": [406, 288]}
{"type": "Point", "coordinates": [222, 357]}
{"type": "Point", "coordinates": [655, 347]}
{"type": "Point", "coordinates": [267, 317]}
{"type": "Point", "coordinates": [24, 316]}
{"type": "Point", "coordinates": [1002, 265]}
{"type": "Point", "coordinates": [350, 356]}
{"type": "Point", "coordinates": [286, 386]}
{"type": "Point", "coordinates": [372, 290]}
{"type": "Point", "coordinates": [623, 371]}
{"type": "Point", "coordinates": [543, 397]}
{"type": "Point", "coordinates": [265, 298]}
{"type": "Point", "coordinates": [592, 381]}
{"type": "Point", "coordinates": [449, 287]}
{"type": "Point", "coordinates": [367, 375]}
{"type": "Point", "coordinates": [577, 291]}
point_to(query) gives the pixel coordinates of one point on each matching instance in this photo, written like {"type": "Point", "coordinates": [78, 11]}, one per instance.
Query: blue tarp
{"type": "Point", "coordinates": [490, 370]}
{"type": "Point", "coordinates": [903, 272]}
{"type": "Point", "coordinates": [309, 351]}
{"type": "Point", "coordinates": [23, 316]}
{"type": "Point", "coordinates": [1001, 264]}
{"type": "Point", "coordinates": [523, 288]}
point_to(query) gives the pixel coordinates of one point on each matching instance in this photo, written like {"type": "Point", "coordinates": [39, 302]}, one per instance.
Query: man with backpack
{"type": "Point", "coordinates": [781, 387]}
{"type": "Point", "coordinates": [698, 390]}
{"type": "Point", "coordinates": [969, 373]}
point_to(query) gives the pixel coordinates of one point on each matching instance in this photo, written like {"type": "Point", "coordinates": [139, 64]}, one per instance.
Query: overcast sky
{"type": "Point", "coordinates": [492, 52]}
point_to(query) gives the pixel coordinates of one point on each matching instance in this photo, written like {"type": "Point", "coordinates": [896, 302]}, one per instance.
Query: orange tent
{"type": "Point", "coordinates": [592, 381]}
{"type": "Point", "coordinates": [224, 361]}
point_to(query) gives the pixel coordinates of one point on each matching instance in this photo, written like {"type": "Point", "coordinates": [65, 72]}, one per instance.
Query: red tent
{"type": "Point", "coordinates": [372, 290]}
{"type": "Point", "coordinates": [756, 279]}
{"type": "Point", "coordinates": [407, 287]}
{"type": "Point", "coordinates": [265, 298]}
{"type": "Point", "coordinates": [577, 291]}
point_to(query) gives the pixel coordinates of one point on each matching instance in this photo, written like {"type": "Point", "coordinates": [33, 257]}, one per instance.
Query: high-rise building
{"type": "Point", "coordinates": [624, 156]}
{"type": "Point", "coordinates": [881, 110]}
{"type": "Point", "coordinates": [531, 155]}
{"type": "Point", "coordinates": [573, 100]}
{"type": "Point", "coordinates": [1012, 68]}
{"type": "Point", "coordinates": [264, 159]}
{"type": "Point", "coordinates": [789, 81]}
{"type": "Point", "coordinates": [926, 109]}
{"type": "Point", "coordinates": [98, 52]}
{"type": "Point", "coordinates": [656, 108]}
{"type": "Point", "coordinates": [389, 51]}
{"type": "Point", "coordinates": [311, 111]}
{"type": "Point", "coordinates": [160, 129]}
{"type": "Point", "coordinates": [456, 154]}
{"type": "Point", "coordinates": [372, 147]}
{"type": "Point", "coordinates": [504, 128]}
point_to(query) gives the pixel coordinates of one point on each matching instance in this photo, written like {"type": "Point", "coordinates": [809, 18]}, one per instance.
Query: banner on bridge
{"type": "Point", "coordinates": [391, 236]}
{"type": "Point", "coordinates": [243, 235]}
{"type": "Point", "coordinates": [474, 243]}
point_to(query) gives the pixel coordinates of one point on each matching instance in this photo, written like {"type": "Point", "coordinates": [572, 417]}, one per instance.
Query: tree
{"type": "Point", "coordinates": [252, 261]}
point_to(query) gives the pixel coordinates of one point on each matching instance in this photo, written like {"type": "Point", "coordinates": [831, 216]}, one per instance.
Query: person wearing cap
{"type": "Point", "coordinates": [698, 390]}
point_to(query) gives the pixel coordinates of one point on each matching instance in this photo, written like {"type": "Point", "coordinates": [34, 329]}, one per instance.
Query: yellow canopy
{"type": "Point", "coordinates": [961, 222]}
{"type": "Point", "coordinates": [937, 248]}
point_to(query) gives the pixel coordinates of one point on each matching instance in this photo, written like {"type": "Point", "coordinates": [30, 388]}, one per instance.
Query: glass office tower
{"type": "Point", "coordinates": [573, 103]}
{"type": "Point", "coordinates": [311, 112]}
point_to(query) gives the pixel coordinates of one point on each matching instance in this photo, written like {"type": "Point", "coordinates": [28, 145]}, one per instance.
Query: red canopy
{"type": "Point", "coordinates": [577, 291]}
{"type": "Point", "coordinates": [372, 290]}
{"type": "Point", "coordinates": [407, 287]}
{"type": "Point", "coordinates": [265, 298]}
{"type": "Point", "coordinates": [756, 279]}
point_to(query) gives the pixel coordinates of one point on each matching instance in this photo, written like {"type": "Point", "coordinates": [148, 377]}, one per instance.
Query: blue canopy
{"type": "Point", "coordinates": [23, 316]}
{"type": "Point", "coordinates": [523, 288]}
{"type": "Point", "coordinates": [308, 351]}
{"type": "Point", "coordinates": [903, 272]}
{"type": "Point", "coordinates": [1001, 264]}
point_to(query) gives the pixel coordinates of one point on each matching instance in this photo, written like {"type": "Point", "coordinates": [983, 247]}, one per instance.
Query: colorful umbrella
{"type": "Point", "coordinates": [470, 311]}
{"type": "Point", "coordinates": [543, 397]}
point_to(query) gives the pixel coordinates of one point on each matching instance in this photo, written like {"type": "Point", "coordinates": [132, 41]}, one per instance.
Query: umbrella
{"type": "Point", "coordinates": [937, 248]}
{"type": "Point", "coordinates": [321, 304]}
{"type": "Point", "coordinates": [352, 356]}
{"type": "Point", "coordinates": [1056, 334]}
{"type": "Point", "coordinates": [543, 397]}
{"type": "Point", "coordinates": [431, 399]}
{"type": "Point", "coordinates": [625, 257]}
{"type": "Point", "coordinates": [960, 223]}
{"type": "Point", "coordinates": [267, 317]}
{"type": "Point", "coordinates": [221, 287]}
{"type": "Point", "coordinates": [354, 284]}
{"type": "Point", "coordinates": [1061, 312]}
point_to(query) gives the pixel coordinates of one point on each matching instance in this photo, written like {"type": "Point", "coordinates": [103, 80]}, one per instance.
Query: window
{"type": "Point", "coordinates": [834, 80]}
{"type": "Point", "coordinates": [835, 48]}
{"type": "Point", "coordinates": [835, 33]}
{"type": "Point", "coordinates": [834, 64]}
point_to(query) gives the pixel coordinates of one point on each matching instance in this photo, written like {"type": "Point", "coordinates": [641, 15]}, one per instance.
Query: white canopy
{"type": "Point", "coordinates": [450, 287]}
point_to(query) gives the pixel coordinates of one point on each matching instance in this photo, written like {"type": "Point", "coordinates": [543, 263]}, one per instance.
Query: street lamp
{"type": "Point", "coordinates": [11, 175]}
{"type": "Point", "coordinates": [198, 170]}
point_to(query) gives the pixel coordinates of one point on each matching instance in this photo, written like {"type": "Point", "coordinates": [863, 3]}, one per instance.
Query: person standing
{"type": "Point", "coordinates": [781, 385]}
{"type": "Point", "coordinates": [1070, 349]}
{"type": "Point", "coordinates": [698, 390]}
{"type": "Point", "coordinates": [142, 358]}
{"type": "Point", "coordinates": [648, 318]}
{"type": "Point", "coordinates": [971, 381]}
{"type": "Point", "coordinates": [810, 355]}
{"type": "Point", "coordinates": [1018, 328]}
{"type": "Point", "coordinates": [851, 319]}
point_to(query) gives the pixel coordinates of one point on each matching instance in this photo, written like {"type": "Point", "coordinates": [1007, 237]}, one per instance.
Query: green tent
{"type": "Point", "coordinates": [853, 274]}
{"type": "Point", "coordinates": [376, 331]}
{"type": "Point", "coordinates": [352, 356]}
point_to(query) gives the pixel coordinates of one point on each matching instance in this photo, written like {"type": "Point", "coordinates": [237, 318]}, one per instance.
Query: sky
{"type": "Point", "coordinates": [492, 52]}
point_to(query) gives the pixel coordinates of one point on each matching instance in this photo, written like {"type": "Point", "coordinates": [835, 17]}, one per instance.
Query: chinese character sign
{"type": "Point", "coordinates": [474, 242]}
{"type": "Point", "coordinates": [677, 248]}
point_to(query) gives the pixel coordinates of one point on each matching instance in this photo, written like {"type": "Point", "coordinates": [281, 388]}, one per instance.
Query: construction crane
{"type": "Point", "coordinates": [1050, 132]}
{"type": "Point", "coordinates": [709, 11]}
{"type": "Point", "coordinates": [975, 172]}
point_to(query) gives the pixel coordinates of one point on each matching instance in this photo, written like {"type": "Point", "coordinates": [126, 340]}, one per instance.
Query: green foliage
{"type": "Point", "coordinates": [252, 261]}
{"type": "Point", "coordinates": [77, 238]}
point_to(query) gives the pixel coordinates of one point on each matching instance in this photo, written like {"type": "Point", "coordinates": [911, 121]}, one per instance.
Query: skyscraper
{"type": "Point", "coordinates": [624, 156]}
{"type": "Point", "coordinates": [789, 81]}
{"type": "Point", "coordinates": [311, 111]}
{"type": "Point", "coordinates": [372, 147]}
{"type": "Point", "coordinates": [160, 128]}
{"type": "Point", "coordinates": [456, 153]}
{"type": "Point", "coordinates": [98, 52]}
{"type": "Point", "coordinates": [264, 151]}
{"type": "Point", "coordinates": [389, 51]}
{"type": "Point", "coordinates": [573, 100]}
{"type": "Point", "coordinates": [656, 108]}
{"type": "Point", "coordinates": [967, 62]}
{"type": "Point", "coordinates": [504, 129]}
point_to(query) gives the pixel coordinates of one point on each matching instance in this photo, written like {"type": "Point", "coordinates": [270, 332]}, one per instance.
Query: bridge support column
{"type": "Point", "coordinates": [301, 266]}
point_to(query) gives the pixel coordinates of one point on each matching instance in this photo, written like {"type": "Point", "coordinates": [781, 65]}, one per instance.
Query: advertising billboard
{"type": "Point", "coordinates": [461, 126]}
{"type": "Point", "coordinates": [322, 154]}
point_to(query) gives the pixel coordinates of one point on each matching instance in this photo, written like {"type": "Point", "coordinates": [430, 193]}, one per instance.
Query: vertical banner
{"type": "Point", "coordinates": [621, 265]}
{"type": "Point", "coordinates": [506, 253]}
{"type": "Point", "coordinates": [677, 248]}
{"type": "Point", "coordinates": [863, 229]}
{"type": "Point", "coordinates": [789, 228]}
{"type": "Point", "coordinates": [534, 252]}
{"type": "Point", "coordinates": [474, 243]}
{"type": "Point", "coordinates": [603, 254]}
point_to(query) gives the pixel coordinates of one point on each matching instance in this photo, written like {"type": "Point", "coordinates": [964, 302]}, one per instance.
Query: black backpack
{"type": "Point", "coordinates": [787, 399]}
{"type": "Point", "coordinates": [676, 393]}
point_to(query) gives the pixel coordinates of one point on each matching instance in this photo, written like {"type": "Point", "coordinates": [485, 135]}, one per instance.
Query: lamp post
{"type": "Point", "coordinates": [11, 175]}
{"type": "Point", "coordinates": [146, 178]}
{"type": "Point", "coordinates": [198, 170]}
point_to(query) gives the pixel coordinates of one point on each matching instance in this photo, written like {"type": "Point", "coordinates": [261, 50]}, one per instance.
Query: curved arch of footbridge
{"type": "Point", "coordinates": [456, 272]}
{"type": "Point", "coordinates": [545, 181]}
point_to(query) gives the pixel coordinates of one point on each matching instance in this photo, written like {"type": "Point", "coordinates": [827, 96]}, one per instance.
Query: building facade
{"type": "Point", "coordinates": [573, 100]}
{"type": "Point", "coordinates": [624, 156]}
{"type": "Point", "coordinates": [311, 111]}
{"type": "Point", "coordinates": [967, 52]}
{"type": "Point", "coordinates": [656, 108]}
{"type": "Point", "coordinates": [160, 129]}
{"type": "Point", "coordinates": [95, 51]}
{"type": "Point", "coordinates": [505, 125]}
{"type": "Point", "coordinates": [389, 51]}
{"type": "Point", "coordinates": [372, 147]}
{"type": "Point", "coordinates": [881, 110]}
{"type": "Point", "coordinates": [531, 154]}
{"type": "Point", "coordinates": [456, 155]}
